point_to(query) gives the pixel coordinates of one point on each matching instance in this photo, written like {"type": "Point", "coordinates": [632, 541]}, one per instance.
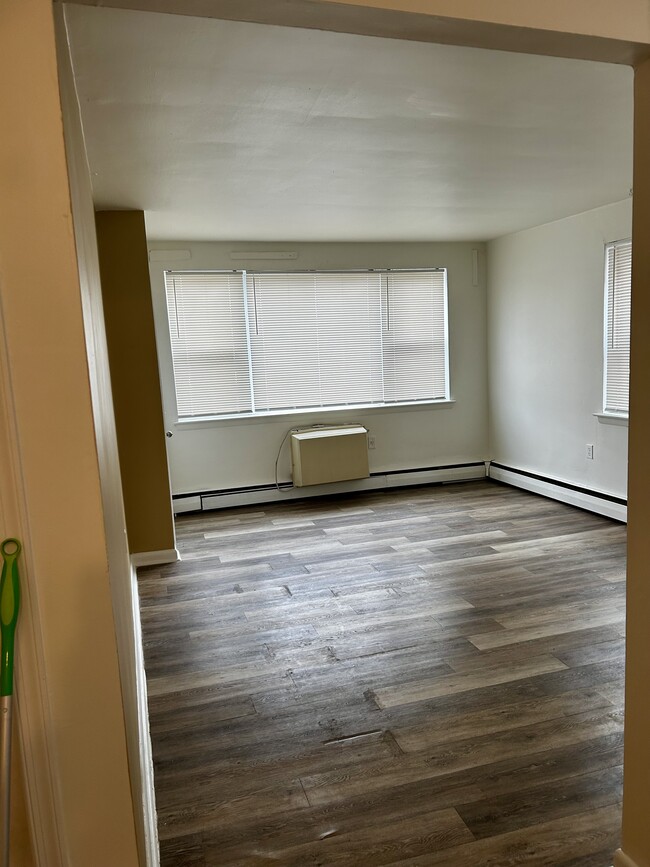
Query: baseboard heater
{"type": "Point", "coordinates": [320, 456]}
{"type": "Point", "coordinates": [584, 498]}
{"type": "Point", "coordinates": [224, 499]}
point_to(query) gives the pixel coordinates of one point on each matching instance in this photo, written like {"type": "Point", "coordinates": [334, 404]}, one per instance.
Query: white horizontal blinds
{"type": "Point", "coordinates": [348, 309]}
{"type": "Point", "coordinates": [415, 335]}
{"type": "Point", "coordinates": [283, 339]}
{"type": "Point", "coordinates": [207, 325]}
{"type": "Point", "coordinates": [617, 336]}
{"type": "Point", "coordinates": [315, 339]}
{"type": "Point", "coordinates": [265, 342]}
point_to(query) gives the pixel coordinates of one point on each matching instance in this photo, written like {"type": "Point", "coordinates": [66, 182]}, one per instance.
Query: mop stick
{"type": "Point", "coordinates": [9, 605]}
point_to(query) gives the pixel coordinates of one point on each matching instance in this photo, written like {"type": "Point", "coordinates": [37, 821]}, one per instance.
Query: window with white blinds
{"type": "Point", "coordinates": [258, 342]}
{"type": "Point", "coordinates": [618, 274]}
{"type": "Point", "coordinates": [207, 327]}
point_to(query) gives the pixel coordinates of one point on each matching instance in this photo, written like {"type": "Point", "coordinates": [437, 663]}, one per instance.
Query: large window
{"type": "Point", "coordinates": [257, 342]}
{"type": "Point", "coordinates": [618, 271]}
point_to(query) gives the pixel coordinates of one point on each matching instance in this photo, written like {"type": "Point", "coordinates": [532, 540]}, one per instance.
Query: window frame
{"type": "Point", "coordinates": [260, 415]}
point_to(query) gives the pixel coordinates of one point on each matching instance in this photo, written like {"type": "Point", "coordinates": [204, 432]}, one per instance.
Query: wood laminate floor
{"type": "Point", "coordinates": [429, 676]}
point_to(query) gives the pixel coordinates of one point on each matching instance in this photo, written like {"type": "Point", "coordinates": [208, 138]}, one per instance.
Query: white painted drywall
{"type": "Point", "coordinates": [227, 454]}
{"type": "Point", "coordinates": [545, 356]}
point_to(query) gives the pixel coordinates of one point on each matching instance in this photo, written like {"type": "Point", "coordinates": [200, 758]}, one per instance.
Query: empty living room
{"type": "Point", "coordinates": [396, 431]}
{"type": "Point", "coordinates": [343, 359]}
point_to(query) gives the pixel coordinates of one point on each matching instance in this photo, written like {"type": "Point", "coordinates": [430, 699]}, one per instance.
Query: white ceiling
{"type": "Point", "coordinates": [222, 130]}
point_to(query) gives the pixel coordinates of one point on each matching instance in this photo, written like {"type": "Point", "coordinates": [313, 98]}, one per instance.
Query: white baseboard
{"type": "Point", "coordinates": [155, 558]}
{"type": "Point", "coordinates": [623, 860]}
{"type": "Point", "coordinates": [427, 477]}
{"type": "Point", "coordinates": [145, 786]}
{"type": "Point", "coordinates": [557, 492]}
{"type": "Point", "coordinates": [381, 481]}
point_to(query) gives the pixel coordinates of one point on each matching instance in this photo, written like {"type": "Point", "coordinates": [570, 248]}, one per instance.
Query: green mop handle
{"type": "Point", "coordinates": [9, 606]}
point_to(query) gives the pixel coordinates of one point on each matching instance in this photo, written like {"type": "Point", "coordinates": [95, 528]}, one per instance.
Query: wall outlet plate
{"type": "Point", "coordinates": [590, 452]}
{"type": "Point", "coordinates": [371, 441]}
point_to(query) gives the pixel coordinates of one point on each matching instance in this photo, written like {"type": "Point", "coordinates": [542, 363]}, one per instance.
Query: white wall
{"type": "Point", "coordinates": [545, 355]}
{"type": "Point", "coordinates": [217, 455]}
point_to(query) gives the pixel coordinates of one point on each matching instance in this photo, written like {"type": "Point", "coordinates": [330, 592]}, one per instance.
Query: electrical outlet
{"type": "Point", "coordinates": [371, 441]}
{"type": "Point", "coordinates": [590, 452]}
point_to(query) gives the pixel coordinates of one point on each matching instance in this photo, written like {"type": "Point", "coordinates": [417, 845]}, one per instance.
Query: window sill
{"type": "Point", "coordinates": [261, 417]}
{"type": "Point", "coordinates": [616, 418]}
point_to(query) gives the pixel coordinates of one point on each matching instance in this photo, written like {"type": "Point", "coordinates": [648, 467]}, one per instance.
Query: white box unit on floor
{"type": "Point", "coordinates": [323, 455]}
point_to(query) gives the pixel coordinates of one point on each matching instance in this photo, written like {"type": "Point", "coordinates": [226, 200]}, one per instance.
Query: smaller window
{"type": "Point", "coordinates": [618, 274]}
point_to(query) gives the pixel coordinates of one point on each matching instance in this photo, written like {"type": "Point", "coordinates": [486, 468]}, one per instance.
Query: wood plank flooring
{"type": "Point", "coordinates": [429, 676]}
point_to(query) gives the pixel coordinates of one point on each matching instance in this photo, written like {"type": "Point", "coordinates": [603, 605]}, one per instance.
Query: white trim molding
{"type": "Point", "coordinates": [613, 418]}
{"type": "Point", "coordinates": [145, 765]}
{"type": "Point", "coordinates": [623, 860]}
{"type": "Point", "coordinates": [380, 481]}
{"type": "Point", "coordinates": [275, 415]}
{"type": "Point", "coordinates": [154, 558]}
{"type": "Point", "coordinates": [557, 491]}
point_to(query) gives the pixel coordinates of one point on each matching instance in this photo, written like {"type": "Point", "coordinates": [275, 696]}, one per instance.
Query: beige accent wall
{"type": "Point", "coordinates": [128, 313]}
{"type": "Point", "coordinates": [21, 844]}
{"type": "Point", "coordinates": [67, 576]}
{"type": "Point", "coordinates": [636, 801]}
{"type": "Point", "coordinates": [625, 19]}
{"type": "Point", "coordinates": [584, 29]}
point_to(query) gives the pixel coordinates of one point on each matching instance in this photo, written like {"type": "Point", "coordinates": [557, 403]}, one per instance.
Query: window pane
{"type": "Point", "coordinates": [315, 339]}
{"type": "Point", "coordinates": [207, 326]}
{"type": "Point", "coordinates": [415, 336]}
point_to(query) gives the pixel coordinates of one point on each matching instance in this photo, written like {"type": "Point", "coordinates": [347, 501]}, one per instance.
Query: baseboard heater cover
{"type": "Point", "coordinates": [225, 499]}
{"type": "Point", "coordinates": [323, 455]}
{"type": "Point", "coordinates": [605, 504]}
